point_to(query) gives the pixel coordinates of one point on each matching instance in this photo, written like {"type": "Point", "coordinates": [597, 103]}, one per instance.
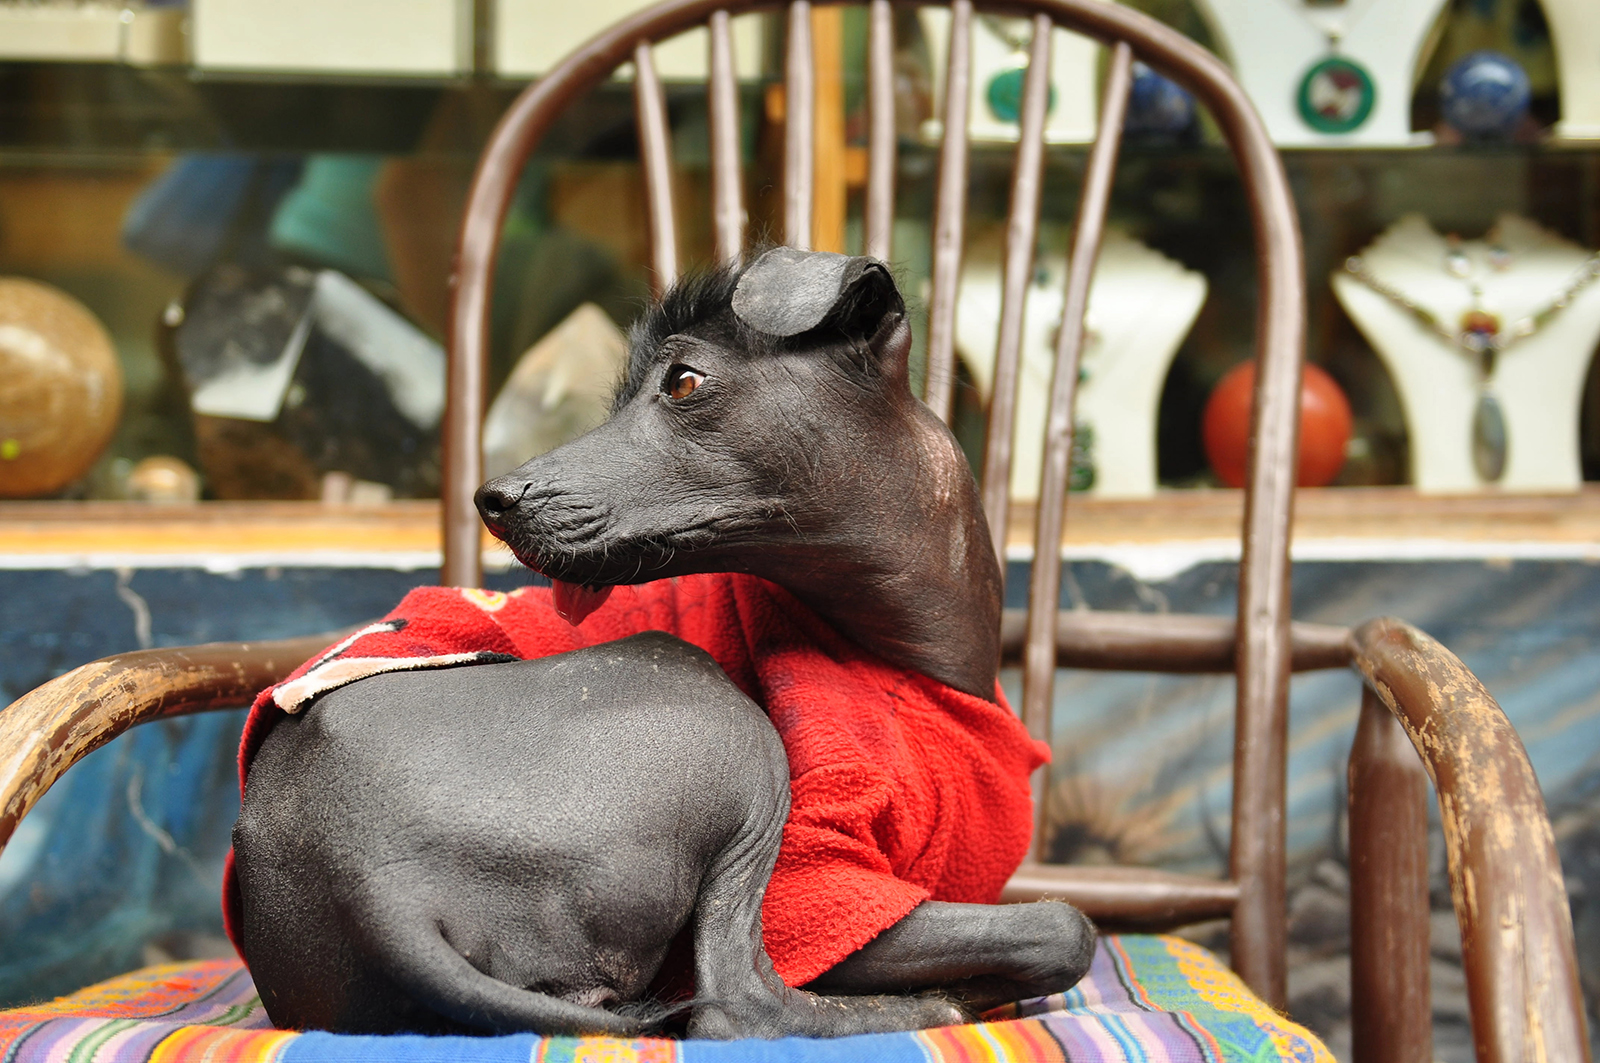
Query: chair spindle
{"type": "Point", "coordinates": [1392, 1016]}
{"type": "Point", "coordinates": [1039, 662]}
{"type": "Point", "coordinates": [727, 182]}
{"type": "Point", "coordinates": [655, 150]}
{"type": "Point", "coordinates": [1021, 231]}
{"type": "Point", "coordinates": [799, 155]}
{"type": "Point", "coordinates": [880, 133]}
{"type": "Point", "coordinates": [949, 214]}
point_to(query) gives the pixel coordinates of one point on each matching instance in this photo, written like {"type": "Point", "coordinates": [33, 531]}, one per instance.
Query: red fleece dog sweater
{"type": "Point", "coordinates": [903, 789]}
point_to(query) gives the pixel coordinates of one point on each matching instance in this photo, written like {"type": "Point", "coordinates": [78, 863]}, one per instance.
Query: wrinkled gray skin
{"type": "Point", "coordinates": [514, 846]}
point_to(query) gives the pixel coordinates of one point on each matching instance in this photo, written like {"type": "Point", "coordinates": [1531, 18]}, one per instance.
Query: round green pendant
{"type": "Point", "coordinates": [1004, 94]}
{"type": "Point", "coordinates": [1336, 96]}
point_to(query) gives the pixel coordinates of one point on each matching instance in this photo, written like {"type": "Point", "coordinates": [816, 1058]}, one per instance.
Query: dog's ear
{"type": "Point", "coordinates": [787, 292]}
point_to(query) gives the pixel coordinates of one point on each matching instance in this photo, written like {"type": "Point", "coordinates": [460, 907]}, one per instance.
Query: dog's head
{"type": "Point", "coordinates": [760, 420]}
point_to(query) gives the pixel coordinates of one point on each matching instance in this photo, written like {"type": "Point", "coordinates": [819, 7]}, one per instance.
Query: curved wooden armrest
{"type": "Point", "coordinates": [1505, 877]}
{"type": "Point", "coordinates": [1126, 898]}
{"type": "Point", "coordinates": [1165, 642]}
{"type": "Point", "coordinates": [51, 728]}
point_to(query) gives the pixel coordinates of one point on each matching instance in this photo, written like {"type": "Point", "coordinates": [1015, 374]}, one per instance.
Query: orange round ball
{"type": "Point", "coordinates": [60, 388]}
{"type": "Point", "coordinates": [1325, 425]}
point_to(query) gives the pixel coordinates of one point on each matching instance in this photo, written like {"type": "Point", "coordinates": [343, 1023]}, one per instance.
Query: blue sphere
{"type": "Point", "coordinates": [1484, 95]}
{"type": "Point", "coordinates": [1157, 107]}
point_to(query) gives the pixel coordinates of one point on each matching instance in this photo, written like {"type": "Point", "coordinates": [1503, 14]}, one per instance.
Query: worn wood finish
{"type": "Point", "coordinates": [799, 143]}
{"type": "Point", "coordinates": [51, 728]}
{"type": "Point", "coordinates": [1039, 664]}
{"type": "Point", "coordinates": [1391, 1009]}
{"type": "Point", "coordinates": [949, 215]}
{"type": "Point", "coordinates": [1164, 642]}
{"type": "Point", "coordinates": [655, 151]}
{"type": "Point", "coordinates": [879, 209]}
{"type": "Point", "coordinates": [1022, 227]}
{"type": "Point", "coordinates": [1505, 877]}
{"type": "Point", "coordinates": [727, 179]}
{"type": "Point", "coordinates": [1125, 898]}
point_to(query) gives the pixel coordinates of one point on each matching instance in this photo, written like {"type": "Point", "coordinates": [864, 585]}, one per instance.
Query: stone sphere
{"type": "Point", "coordinates": [1325, 426]}
{"type": "Point", "coordinates": [1484, 95]}
{"type": "Point", "coordinates": [60, 389]}
{"type": "Point", "coordinates": [163, 479]}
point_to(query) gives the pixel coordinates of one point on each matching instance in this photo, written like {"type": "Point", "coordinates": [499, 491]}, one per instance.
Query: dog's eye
{"type": "Point", "coordinates": [681, 381]}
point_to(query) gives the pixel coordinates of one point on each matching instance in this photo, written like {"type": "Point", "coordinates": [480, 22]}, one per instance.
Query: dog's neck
{"type": "Point", "coordinates": [910, 574]}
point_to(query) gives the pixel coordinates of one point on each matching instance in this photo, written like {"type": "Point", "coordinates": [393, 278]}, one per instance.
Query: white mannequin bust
{"type": "Point", "coordinates": [1538, 380]}
{"type": "Point", "coordinates": [1141, 306]}
{"type": "Point", "coordinates": [1575, 32]}
{"type": "Point", "coordinates": [1072, 118]}
{"type": "Point", "coordinates": [1272, 44]}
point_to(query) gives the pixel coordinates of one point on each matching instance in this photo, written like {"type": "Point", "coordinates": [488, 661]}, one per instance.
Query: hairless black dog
{"type": "Point", "coordinates": [470, 849]}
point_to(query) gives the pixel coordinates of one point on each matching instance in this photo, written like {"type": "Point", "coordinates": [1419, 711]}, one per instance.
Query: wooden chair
{"type": "Point", "coordinates": [1417, 697]}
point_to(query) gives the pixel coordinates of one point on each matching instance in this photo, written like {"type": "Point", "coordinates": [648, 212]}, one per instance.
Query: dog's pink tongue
{"type": "Point", "coordinates": [574, 601]}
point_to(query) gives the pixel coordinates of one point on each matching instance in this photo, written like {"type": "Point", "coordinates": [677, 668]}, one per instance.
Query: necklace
{"type": "Point", "coordinates": [1336, 94]}
{"type": "Point", "coordinates": [1482, 337]}
{"type": "Point", "coordinates": [1003, 93]}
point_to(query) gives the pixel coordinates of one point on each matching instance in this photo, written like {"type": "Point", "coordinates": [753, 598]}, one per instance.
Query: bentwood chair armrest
{"type": "Point", "coordinates": [1166, 642]}
{"type": "Point", "coordinates": [1505, 877]}
{"type": "Point", "coordinates": [51, 728]}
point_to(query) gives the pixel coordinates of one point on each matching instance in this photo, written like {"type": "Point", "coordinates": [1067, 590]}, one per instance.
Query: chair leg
{"type": "Point", "coordinates": [1390, 998]}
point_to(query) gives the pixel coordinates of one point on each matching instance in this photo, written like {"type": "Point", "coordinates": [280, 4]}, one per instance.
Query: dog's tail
{"type": "Point", "coordinates": [424, 965]}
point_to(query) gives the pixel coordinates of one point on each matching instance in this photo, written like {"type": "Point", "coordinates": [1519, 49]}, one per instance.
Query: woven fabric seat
{"type": "Point", "coordinates": [1147, 998]}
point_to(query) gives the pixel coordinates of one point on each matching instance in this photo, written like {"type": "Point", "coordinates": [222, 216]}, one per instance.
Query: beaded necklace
{"type": "Point", "coordinates": [1482, 337]}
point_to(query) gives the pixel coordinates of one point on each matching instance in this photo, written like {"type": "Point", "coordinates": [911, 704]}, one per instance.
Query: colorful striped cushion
{"type": "Point", "coordinates": [1146, 998]}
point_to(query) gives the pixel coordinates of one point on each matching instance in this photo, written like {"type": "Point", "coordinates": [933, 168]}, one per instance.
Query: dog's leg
{"type": "Point", "coordinates": [982, 954]}
{"type": "Point", "coordinates": [737, 992]}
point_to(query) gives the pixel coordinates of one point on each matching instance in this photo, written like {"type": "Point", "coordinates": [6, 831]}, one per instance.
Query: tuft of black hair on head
{"type": "Point", "coordinates": [696, 302]}
{"type": "Point", "coordinates": [701, 304]}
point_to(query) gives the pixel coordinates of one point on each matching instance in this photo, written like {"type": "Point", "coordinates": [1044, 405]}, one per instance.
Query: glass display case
{"type": "Point", "coordinates": [144, 192]}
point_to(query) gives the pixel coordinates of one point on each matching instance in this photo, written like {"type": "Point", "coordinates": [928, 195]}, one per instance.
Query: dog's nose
{"type": "Point", "coordinates": [498, 497]}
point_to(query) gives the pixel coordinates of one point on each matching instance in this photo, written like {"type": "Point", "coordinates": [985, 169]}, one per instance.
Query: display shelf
{"type": "Point", "coordinates": [1160, 537]}
{"type": "Point", "coordinates": [96, 534]}
{"type": "Point", "coordinates": [1330, 523]}
{"type": "Point", "coordinates": [100, 109]}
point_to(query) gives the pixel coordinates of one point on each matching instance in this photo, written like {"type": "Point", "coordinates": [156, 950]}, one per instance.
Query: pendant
{"type": "Point", "coordinates": [1004, 92]}
{"type": "Point", "coordinates": [1489, 439]}
{"type": "Point", "coordinates": [1479, 331]}
{"type": "Point", "coordinates": [1336, 95]}
{"type": "Point", "coordinates": [1081, 471]}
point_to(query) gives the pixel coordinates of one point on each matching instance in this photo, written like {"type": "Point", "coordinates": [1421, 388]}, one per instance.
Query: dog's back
{"type": "Point", "coordinates": [549, 822]}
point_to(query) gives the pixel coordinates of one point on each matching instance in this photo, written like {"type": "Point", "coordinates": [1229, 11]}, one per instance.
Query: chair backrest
{"type": "Point", "coordinates": [1261, 660]}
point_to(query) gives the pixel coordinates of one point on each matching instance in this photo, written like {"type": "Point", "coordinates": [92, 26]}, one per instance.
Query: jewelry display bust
{"type": "Point", "coordinates": [1324, 74]}
{"type": "Point", "coordinates": [1141, 306]}
{"type": "Point", "coordinates": [1481, 337]}
{"type": "Point", "coordinates": [1575, 33]}
{"type": "Point", "coordinates": [999, 55]}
